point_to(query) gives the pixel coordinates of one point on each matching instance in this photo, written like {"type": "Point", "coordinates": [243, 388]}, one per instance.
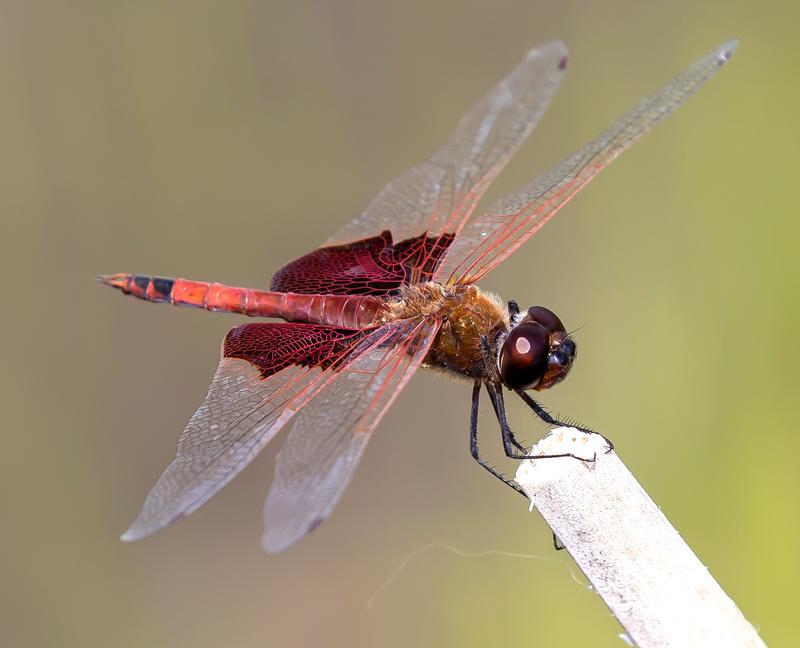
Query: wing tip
{"type": "Point", "coordinates": [275, 540]}
{"type": "Point", "coordinates": [555, 48]}
{"type": "Point", "coordinates": [142, 528]}
{"type": "Point", "coordinates": [725, 51]}
{"type": "Point", "coordinates": [273, 544]}
{"type": "Point", "coordinates": [136, 531]}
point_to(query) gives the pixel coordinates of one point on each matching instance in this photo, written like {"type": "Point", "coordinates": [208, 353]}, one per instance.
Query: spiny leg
{"type": "Point", "coordinates": [473, 441]}
{"type": "Point", "coordinates": [543, 414]}
{"type": "Point", "coordinates": [509, 440]}
{"type": "Point", "coordinates": [473, 444]}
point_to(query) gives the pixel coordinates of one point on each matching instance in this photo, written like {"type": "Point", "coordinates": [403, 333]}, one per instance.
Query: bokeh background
{"type": "Point", "coordinates": [220, 140]}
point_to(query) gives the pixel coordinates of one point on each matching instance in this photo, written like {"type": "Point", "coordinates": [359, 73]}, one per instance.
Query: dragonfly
{"type": "Point", "coordinates": [392, 291]}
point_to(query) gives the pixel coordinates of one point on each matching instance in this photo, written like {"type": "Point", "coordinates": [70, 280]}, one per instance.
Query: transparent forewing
{"type": "Point", "coordinates": [328, 436]}
{"type": "Point", "coordinates": [240, 414]}
{"type": "Point", "coordinates": [438, 195]}
{"type": "Point", "coordinates": [507, 224]}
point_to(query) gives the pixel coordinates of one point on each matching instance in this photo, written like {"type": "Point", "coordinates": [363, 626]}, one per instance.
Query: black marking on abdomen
{"type": "Point", "coordinates": [141, 281]}
{"type": "Point", "coordinates": [163, 286]}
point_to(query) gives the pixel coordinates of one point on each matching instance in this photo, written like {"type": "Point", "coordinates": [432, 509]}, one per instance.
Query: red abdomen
{"type": "Point", "coordinates": [341, 311]}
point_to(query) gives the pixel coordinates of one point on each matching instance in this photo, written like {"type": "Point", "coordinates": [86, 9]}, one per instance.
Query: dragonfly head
{"type": "Point", "coordinates": [537, 353]}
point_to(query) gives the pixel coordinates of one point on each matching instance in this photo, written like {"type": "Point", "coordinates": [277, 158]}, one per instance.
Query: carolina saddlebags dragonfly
{"type": "Point", "coordinates": [393, 290]}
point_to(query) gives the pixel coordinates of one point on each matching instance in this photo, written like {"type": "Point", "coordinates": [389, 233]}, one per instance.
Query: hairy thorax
{"type": "Point", "coordinates": [466, 313]}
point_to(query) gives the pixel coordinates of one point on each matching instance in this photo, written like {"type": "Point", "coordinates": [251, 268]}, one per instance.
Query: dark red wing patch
{"type": "Point", "coordinates": [373, 266]}
{"type": "Point", "coordinates": [275, 346]}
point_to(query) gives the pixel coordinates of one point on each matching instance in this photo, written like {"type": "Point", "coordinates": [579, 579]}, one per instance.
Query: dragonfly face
{"type": "Point", "coordinates": [392, 291]}
{"type": "Point", "coordinates": [536, 353]}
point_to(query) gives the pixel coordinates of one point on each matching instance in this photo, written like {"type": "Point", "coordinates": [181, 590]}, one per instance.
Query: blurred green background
{"type": "Point", "coordinates": [218, 141]}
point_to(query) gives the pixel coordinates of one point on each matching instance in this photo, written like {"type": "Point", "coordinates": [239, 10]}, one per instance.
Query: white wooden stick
{"type": "Point", "coordinates": [655, 586]}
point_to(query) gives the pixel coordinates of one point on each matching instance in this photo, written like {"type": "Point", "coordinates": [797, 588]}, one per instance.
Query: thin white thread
{"type": "Point", "coordinates": [401, 566]}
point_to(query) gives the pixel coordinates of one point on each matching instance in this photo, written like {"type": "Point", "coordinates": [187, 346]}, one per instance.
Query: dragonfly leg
{"type": "Point", "coordinates": [473, 446]}
{"type": "Point", "coordinates": [513, 448]}
{"type": "Point", "coordinates": [488, 361]}
{"type": "Point", "coordinates": [473, 442]}
{"type": "Point", "coordinates": [543, 414]}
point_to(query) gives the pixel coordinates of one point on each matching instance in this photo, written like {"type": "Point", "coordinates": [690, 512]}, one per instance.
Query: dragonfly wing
{"type": "Point", "coordinates": [267, 373]}
{"type": "Point", "coordinates": [329, 435]}
{"type": "Point", "coordinates": [375, 266]}
{"type": "Point", "coordinates": [437, 196]}
{"type": "Point", "coordinates": [492, 236]}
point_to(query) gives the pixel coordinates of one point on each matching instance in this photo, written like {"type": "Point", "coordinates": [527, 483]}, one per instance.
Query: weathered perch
{"type": "Point", "coordinates": [654, 584]}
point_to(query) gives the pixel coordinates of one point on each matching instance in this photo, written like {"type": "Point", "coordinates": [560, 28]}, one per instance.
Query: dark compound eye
{"type": "Point", "coordinates": [546, 318]}
{"type": "Point", "coordinates": [523, 358]}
